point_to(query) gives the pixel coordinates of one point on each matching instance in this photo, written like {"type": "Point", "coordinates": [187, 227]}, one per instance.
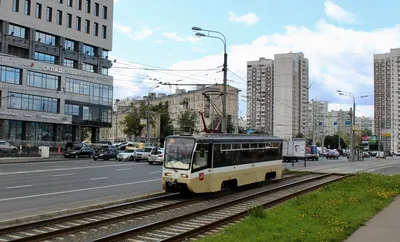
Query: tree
{"type": "Point", "coordinates": [132, 124]}
{"type": "Point", "coordinates": [366, 132]}
{"type": "Point", "coordinates": [86, 133]}
{"type": "Point", "coordinates": [187, 120]}
{"type": "Point", "coordinates": [332, 142]}
{"type": "Point", "coordinates": [166, 127]}
{"type": "Point", "coordinates": [318, 144]}
{"type": "Point", "coordinates": [230, 128]}
{"type": "Point", "coordinates": [299, 135]}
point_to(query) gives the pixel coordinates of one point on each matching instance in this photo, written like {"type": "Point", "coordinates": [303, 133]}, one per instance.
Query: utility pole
{"type": "Point", "coordinates": [148, 119]}
{"type": "Point", "coordinates": [313, 121]}
{"type": "Point", "coordinates": [116, 126]}
{"type": "Point", "coordinates": [351, 156]}
{"type": "Point", "coordinates": [225, 120]}
{"type": "Point", "coordinates": [338, 135]}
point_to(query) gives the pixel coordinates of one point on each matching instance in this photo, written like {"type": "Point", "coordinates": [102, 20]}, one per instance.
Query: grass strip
{"type": "Point", "coordinates": [331, 213]}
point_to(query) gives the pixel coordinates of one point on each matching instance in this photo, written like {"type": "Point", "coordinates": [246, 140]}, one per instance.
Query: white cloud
{"type": "Point", "coordinates": [176, 37]}
{"type": "Point", "coordinates": [144, 32]}
{"type": "Point", "coordinates": [361, 110]}
{"type": "Point", "coordinates": [198, 49]}
{"type": "Point", "coordinates": [249, 19]}
{"type": "Point", "coordinates": [116, 1]}
{"type": "Point", "coordinates": [337, 13]}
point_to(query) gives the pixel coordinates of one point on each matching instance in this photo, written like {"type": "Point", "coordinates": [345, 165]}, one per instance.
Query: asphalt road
{"type": "Point", "coordinates": [32, 188]}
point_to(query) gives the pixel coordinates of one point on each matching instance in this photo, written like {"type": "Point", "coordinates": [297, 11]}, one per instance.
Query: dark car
{"type": "Point", "coordinates": [79, 151]}
{"type": "Point", "coordinates": [332, 155]}
{"type": "Point", "coordinates": [106, 153]}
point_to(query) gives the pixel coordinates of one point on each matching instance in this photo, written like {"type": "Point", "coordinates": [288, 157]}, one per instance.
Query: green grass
{"type": "Point", "coordinates": [330, 214]}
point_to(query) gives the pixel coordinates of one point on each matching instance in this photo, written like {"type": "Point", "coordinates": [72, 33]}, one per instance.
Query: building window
{"type": "Point", "coordinates": [17, 31]}
{"type": "Point", "coordinates": [38, 10]}
{"type": "Point", "coordinates": [78, 23]}
{"type": "Point", "coordinates": [69, 63]}
{"type": "Point", "coordinates": [59, 17]}
{"type": "Point", "coordinates": [45, 58]}
{"type": "Point", "coordinates": [104, 54]}
{"type": "Point", "coordinates": [15, 5]}
{"type": "Point", "coordinates": [87, 6]}
{"type": "Point", "coordinates": [27, 8]}
{"type": "Point", "coordinates": [32, 102]}
{"type": "Point", "coordinates": [71, 109]}
{"type": "Point", "coordinates": [98, 93]}
{"type": "Point", "coordinates": [104, 32]}
{"type": "Point", "coordinates": [86, 114]}
{"type": "Point", "coordinates": [69, 20]}
{"type": "Point", "coordinates": [88, 67]}
{"type": "Point", "coordinates": [49, 13]}
{"type": "Point", "coordinates": [45, 38]}
{"type": "Point", "coordinates": [104, 12]}
{"type": "Point", "coordinates": [41, 80]}
{"type": "Point", "coordinates": [60, 1]}
{"type": "Point", "coordinates": [69, 44]}
{"type": "Point", "coordinates": [10, 75]}
{"type": "Point", "coordinates": [88, 50]}
{"type": "Point", "coordinates": [104, 71]}
{"type": "Point", "coordinates": [96, 29]}
{"type": "Point", "coordinates": [69, 3]}
{"type": "Point", "coordinates": [79, 4]}
{"type": "Point", "coordinates": [96, 9]}
{"type": "Point", "coordinates": [87, 26]}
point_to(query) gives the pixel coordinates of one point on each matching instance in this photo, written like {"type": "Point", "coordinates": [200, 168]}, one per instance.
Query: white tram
{"type": "Point", "coordinates": [215, 162]}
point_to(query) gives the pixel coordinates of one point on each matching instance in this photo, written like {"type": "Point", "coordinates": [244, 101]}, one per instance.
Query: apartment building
{"type": "Point", "coordinates": [365, 123]}
{"type": "Point", "coordinates": [315, 124]}
{"type": "Point", "coordinates": [260, 94]}
{"type": "Point", "coordinates": [54, 60]}
{"type": "Point", "coordinates": [291, 83]}
{"type": "Point", "coordinates": [338, 122]}
{"type": "Point", "coordinates": [387, 98]}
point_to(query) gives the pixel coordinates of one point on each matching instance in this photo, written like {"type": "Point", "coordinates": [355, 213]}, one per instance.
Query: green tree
{"type": "Point", "coordinates": [299, 135]}
{"type": "Point", "coordinates": [86, 133]}
{"type": "Point", "coordinates": [366, 132]}
{"type": "Point", "coordinates": [230, 128]}
{"type": "Point", "coordinates": [166, 127]}
{"type": "Point", "coordinates": [332, 142]}
{"type": "Point", "coordinates": [187, 120]}
{"type": "Point", "coordinates": [131, 123]}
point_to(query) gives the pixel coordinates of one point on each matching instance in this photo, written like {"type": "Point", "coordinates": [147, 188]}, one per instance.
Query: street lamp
{"type": "Point", "coordinates": [225, 68]}
{"type": "Point", "coordinates": [148, 110]}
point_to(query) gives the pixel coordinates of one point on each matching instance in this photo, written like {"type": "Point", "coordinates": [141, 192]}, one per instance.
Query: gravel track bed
{"type": "Point", "coordinates": [141, 221]}
{"type": "Point", "coordinates": [210, 217]}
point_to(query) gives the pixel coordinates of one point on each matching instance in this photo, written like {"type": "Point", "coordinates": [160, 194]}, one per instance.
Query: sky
{"type": "Point", "coordinates": [153, 41]}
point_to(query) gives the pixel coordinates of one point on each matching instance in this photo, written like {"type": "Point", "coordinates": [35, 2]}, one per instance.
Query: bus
{"type": "Point", "coordinates": [216, 162]}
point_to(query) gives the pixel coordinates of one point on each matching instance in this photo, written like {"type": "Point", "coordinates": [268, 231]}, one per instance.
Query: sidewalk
{"type": "Point", "coordinates": [384, 227]}
{"type": "Point", "coordinates": [12, 160]}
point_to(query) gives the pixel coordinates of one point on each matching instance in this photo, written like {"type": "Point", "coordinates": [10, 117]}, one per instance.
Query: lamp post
{"type": "Point", "coordinates": [148, 111]}
{"type": "Point", "coordinates": [225, 68]}
{"type": "Point", "coordinates": [349, 94]}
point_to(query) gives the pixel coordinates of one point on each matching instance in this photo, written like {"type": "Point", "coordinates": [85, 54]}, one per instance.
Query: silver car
{"type": "Point", "coordinates": [127, 155]}
{"type": "Point", "coordinates": [158, 157]}
{"type": "Point", "coordinates": [143, 154]}
{"type": "Point", "coordinates": [6, 147]}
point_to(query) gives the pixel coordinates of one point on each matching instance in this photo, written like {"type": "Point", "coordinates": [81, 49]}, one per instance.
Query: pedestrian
{"type": "Point", "coordinates": [28, 146]}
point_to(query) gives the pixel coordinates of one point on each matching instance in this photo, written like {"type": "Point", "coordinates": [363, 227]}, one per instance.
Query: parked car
{"type": "Point", "coordinates": [366, 155]}
{"type": "Point", "coordinates": [156, 157]}
{"type": "Point", "coordinates": [79, 151]}
{"type": "Point", "coordinates": [6, 147]}
{"type": "Point", "coordinates": [332, 154]}
{"type": "Point", "coordinates": [127, 155]}
{"type": "Point", "coordinates": [143, 154]}
{"type": "Point", "coordinates": [105, 153]}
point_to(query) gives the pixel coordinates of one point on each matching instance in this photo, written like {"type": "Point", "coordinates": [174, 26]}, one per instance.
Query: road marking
{"type": "Point", "coordinates": [155, 171]}
{"type": "Point", "coordinates": [78, 190]}
{"type": "Point", "coordinates": [70, 174]}
{"type": "Point", "coordinates": [66, 169]}
{"type": "Point", "coordinates": [124, 169]}
{"type": "Point", "coordinates": [98, 178]}
{"type": "Point", "coordinates": [57, 166]}
{"type": "Point", "coordinates": [19, 186]}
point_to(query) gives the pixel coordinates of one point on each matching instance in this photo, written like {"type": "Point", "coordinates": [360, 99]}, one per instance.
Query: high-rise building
{"type": "Point", "coordinates": [316, 120]}
{"type": "Point", "coordinates": [365, 123]}
{"type": "Point", "coordinates": [54, 62]}
{"type": "Point", "coordinates": [260, 94]}
{"type": "Point", "coordinates": [387, 97]}
{"type": "Point", "coordinates": [290, 94]}
{"type": "Point", "coordinates": [338, 122]}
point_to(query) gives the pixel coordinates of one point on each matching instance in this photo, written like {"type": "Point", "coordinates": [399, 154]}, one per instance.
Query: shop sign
{"type": "Point", "coordinates": [52, 69]}
{"type": "Point", "coordinates": [8, 113]}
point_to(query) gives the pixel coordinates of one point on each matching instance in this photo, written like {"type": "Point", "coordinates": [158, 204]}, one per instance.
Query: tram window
{"type": "Point", "coordinates": [235, 146]}
{"type": "Point", "coordinates": [226, 147]}
{"type": "Point", "coordinates": [253, 146]}
{"type": "Point", "coordinates": [261, 145]}
{"type": "Point", "coordinates": [245, 146]}
{"type": "Point", "coordinates": [200, 157]}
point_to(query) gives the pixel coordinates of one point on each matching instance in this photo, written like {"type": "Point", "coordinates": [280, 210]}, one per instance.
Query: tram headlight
{"type": "Point", "coordinates": [184, 176]}
{"type": "Point", "coordinates": [167, 174]}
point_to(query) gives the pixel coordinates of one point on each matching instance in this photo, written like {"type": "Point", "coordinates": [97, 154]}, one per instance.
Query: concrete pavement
{"type": "Point", "coordinates": [34, 188]}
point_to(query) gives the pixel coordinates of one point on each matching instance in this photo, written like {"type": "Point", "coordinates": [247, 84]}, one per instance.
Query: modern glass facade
{"type": "Point", "coordinates": [41, 80]}
{"type": "Point", "coordinates": [31, 102]}
{"type": "Point", "coordinates": [98, 93]}
{"type": "Point", "coordinates": [10, 75]}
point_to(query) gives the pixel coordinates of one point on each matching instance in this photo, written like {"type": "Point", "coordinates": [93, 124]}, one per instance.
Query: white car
{"type": "Point", "coordinates": [127, 155]}
{"type": "Point", "coordinates": [158, 157]}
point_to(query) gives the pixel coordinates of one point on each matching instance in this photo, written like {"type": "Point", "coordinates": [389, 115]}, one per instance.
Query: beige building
{"type": "Point", "coordinates": [290, 94]}
{"type": "Point", "coordinates": [260, 94]}
{"type": "Point", "coordinates": [387, 97]}
{"type": "Point", "coordinates": [316, 122]}
{"type": "Point", "coordinates": [338, 121]}
{"type": "Point", "coordinates": [54, 60]}
{"type": "Point", "coordinates": [365, 123]}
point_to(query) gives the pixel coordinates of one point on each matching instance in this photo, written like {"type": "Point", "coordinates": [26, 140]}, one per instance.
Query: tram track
{"type": "Point", "coordinates": [186, 226]}
{"type": "Point", "coordinates": [118, 217]}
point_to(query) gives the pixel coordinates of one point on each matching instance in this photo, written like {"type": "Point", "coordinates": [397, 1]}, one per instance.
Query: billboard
{"type": "Point", "coordinates": [365, 140]}
{"type": "Point", "coordinates": [372, 140]}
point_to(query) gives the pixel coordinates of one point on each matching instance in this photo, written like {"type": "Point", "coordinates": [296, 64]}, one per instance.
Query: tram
{"type": "Point", "coordinates": [216, 162]}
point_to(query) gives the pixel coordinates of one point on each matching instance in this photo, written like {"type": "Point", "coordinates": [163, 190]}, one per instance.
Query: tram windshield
{"type": "Point", "coordinates": [178, 153]}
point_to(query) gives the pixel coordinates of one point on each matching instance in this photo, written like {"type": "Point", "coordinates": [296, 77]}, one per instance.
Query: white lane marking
{"type": "Point", "coordinates": [57, 166]}
{"type": "Point", "coordinates": [155, 171]}
{"type": "Point", "coordinates": [19, 186]}
{"type": "Point", "coordinates": [69, 174]}
{"type": "Point", "coordinates": [66, 169]}
{"type": "Point", "coordinates": [78, 190]}
{"type": "Point", "coordinates": [124, 169]}
{"type": "Point", "coordinates": [98, 178]}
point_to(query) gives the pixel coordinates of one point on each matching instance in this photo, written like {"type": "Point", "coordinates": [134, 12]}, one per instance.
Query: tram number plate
{"type": "Point", "coordinates": [168, 179]}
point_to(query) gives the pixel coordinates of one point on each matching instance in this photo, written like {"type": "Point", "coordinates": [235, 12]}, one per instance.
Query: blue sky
{"type": "Point", "coordinates": [338, 37]}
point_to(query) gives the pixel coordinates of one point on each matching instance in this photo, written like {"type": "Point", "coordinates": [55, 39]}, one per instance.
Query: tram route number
{"type": "Point", "coordinates": [168, 179]}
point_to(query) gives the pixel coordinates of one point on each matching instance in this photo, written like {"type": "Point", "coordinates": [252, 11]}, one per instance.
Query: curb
{"type": "Point", "coordinates": [16, 161]}
{"type": "Point", "coordinates": [61, 213]}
